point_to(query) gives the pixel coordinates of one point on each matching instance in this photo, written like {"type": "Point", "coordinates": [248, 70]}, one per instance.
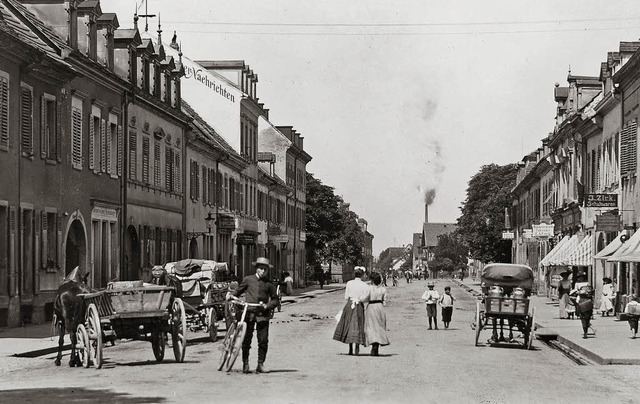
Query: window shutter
{"type": "Point", "coordinates": [4, 112]}
{"type": "Point", "coordinates": [196, 181]}
{"type": "Point", "coordinates": [205, 192]}
{"type": "Point", "coordinates": [119, 152]}
{"type": "Point", "coordinates": [45, 240]}
{"type": "Point", "coordinates": [103, 145]}
{"type": "Point", "coordinates": [92, 134]}
{"type": "Point", "coordinates": [58, 128]}
{"type": "Point", "coordinates": [628, 149]}
{"type": "Point", "coordinates": [212, 184]}
{"type": "Point", "coordinates": [76, 128]}
{"type": "Point", "coordinates": [156, 164]}
{"type": "Point", "coordinates": [191, 177]}
{"type": "Point", "coordinates": [219, 188]}
{"type": "Point", "coordinates": [133, 150]}
{"type": "Point", "coordinates": [167, 168]}
{"type": "Point", "coordinates": [109, 152]}
{"type": "Point", "coordinates": [177, 172]}
{"type": "Point", "coordinates": [26, 121]}
{"type": "Point", "coordinates": [145, 160]}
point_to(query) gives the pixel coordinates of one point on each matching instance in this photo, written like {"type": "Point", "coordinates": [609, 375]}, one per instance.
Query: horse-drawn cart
{"type": "Point", "coordinates": [505, 298]}
{"type": "Point", "coordinates": [131, 310]}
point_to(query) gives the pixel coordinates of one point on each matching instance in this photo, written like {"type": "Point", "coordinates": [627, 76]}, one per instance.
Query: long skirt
{"type": "Point", "coordinates": [565, 307]}
{"type": "Point", "coordinates": [375, 325]}
{"type": "Point", "coordinates": [446, 314]}
{"type": "Point", "coordinates": [350, 328]}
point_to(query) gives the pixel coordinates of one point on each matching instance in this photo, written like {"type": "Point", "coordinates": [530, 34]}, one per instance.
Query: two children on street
{"type": "Point", "coordinates": [433, 298]}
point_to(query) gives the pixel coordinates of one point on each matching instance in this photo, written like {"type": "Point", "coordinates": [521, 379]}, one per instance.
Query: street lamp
{"type": "Point", "coordinates": [210, 221]}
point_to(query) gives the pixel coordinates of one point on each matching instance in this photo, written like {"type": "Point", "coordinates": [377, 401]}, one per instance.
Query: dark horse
{"type": "Point", "coordinates": [69, 311]}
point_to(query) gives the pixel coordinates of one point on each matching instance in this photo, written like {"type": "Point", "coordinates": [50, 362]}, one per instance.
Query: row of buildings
{"type": "Point", "coordinates": [575, 202]}
{"type": "Point", "coordinates": [118, 153]}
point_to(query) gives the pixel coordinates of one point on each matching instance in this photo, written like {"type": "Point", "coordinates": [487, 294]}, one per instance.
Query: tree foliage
{"type": "Point", "coordinates": [450, 254]}
{"type": "Point", "coordinates": [482, 220]}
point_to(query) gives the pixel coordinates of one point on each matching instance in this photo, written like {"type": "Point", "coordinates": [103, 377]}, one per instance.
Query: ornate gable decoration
{"type": "Point", "coordinates": [159, 133]}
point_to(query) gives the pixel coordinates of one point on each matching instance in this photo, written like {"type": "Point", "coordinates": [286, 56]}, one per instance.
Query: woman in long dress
{"type": "Point", "coordinates": [350, 328]}
{"type": "Point", "coordinates": [375, 319]}
{"type": "Point", "coordinates": [606, 304]}
{"type": "Point", "coordinates": [565, 307]}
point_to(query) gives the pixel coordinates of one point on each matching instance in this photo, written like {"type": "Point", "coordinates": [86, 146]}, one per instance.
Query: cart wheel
{"type": "Point", "coordinates": [94, 330]}
{"type": "Point", "coordinates": [532, 328]}
{"type": "Point", "coordinates": [213, 325]}
{"type": "Point", "coordinates": [236, 345]}
{"type": "Point", "coordinates": [158, 343]}
{"type": "Point", "coordinates": [178, 329]}
{"type": "Point", "coordinates": [226, 346]}
{"type": "Point", "coordinates": [478, 321]}
{"type": "Point", "coordinates": [82, 345]}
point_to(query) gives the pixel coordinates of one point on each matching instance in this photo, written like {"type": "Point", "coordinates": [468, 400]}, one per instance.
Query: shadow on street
{"type": "Point", "coordinates": [72, 395]}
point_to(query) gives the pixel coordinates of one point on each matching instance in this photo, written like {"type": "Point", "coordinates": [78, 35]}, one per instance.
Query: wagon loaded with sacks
{"type": "Point", "coordinates": [132, 310]}
{"type": "Point", "coordinates": [505, 302]}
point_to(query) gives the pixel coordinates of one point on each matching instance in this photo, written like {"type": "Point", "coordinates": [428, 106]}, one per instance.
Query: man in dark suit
{"type": "Point", "coordinates": [257, 289]}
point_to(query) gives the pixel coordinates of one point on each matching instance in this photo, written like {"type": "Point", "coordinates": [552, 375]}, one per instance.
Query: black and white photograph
{"type": "Point", "coordinates": [294, 201]}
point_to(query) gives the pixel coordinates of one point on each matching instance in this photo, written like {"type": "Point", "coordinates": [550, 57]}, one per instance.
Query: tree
{"type": "Point", "coordinates": [347, 247]}
{"type": "Point", "coordinates": [482, 220]}
{"type": "Point", "coordinates": [450, 254]}
{"type": "Point", "coordinates": [323, 222]}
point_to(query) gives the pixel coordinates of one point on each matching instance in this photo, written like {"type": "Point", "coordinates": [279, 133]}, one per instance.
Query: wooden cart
{"type": "Point", "coordinates": [514, 310]}
{"type": "Point", "coordinates": [126, 310]}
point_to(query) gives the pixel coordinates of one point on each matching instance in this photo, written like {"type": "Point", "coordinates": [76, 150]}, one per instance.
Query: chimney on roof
{"type": "Point", "coordinates": [426, 212]}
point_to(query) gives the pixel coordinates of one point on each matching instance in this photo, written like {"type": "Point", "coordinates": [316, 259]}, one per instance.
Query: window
{"type": "Point", "coordinates": [205, 189]}
{"type": "Point", "coordinates": [628, 149]}
{"type": "Point", "coordinates": [133, 155]}
{"type": "Point", "coordinates": [49, 135]}
{"type": "Point", "coordinates": [49, 248]}
{"type": "Point", "coordinates": [168, 169]}
{"type": "Point", "coordinates": [95, 139]}
{"type": "Point", "coordinates": [76, 133]}
{"type": "Point", "coordinates": [26, 121]}
{"type": "Point", "coordinates": [177, 176]}
{"type": "Point", "coordinates": [4, 111]}
{"type": "Point", "coordinates": [113, 151]}
{"type": "Point", "coordinates": [145, 160]}
{"type": "Point", "coordinates": [225, 201]}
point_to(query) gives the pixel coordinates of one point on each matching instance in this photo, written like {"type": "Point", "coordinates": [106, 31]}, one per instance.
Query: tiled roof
{"type": "Point", "coordinates": [12, 13]}
{"type": "Point", "coordinates": [45, 33]}
{"type": "Point", "coordinates": [206, 129]}
{"type": "Point", "coordinates": [433, 230]}
{"type": "Point", "coordinates": [629, 46]}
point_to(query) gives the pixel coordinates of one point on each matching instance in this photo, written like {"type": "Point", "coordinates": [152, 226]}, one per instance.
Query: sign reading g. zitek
{"type": "Point", "coordinates": [601, 200]}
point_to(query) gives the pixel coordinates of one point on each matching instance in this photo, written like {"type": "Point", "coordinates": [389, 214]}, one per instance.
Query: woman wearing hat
{"type": "Point", "coordinates": [565, 307]}
{"type": "Point", "coordinates": [350, 328]}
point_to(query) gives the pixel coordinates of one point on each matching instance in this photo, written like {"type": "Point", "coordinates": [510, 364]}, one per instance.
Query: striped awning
{"type": "Point", "coordinates": [582, 254]}
{"type": "Point", "coordinates": [554, 250]}
{"type": "Point", "coordinates": [560, 257]}
{"type": "Point", "coordinates": [629, 251]}
{"type": "Point", "coordinates": [610, 248]}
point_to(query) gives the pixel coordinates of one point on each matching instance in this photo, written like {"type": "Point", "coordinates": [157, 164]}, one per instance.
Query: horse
{"type": "Point", "coordinates": [69, 311]}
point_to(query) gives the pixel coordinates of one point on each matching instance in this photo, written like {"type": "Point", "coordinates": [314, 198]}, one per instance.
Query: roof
{"type": "Point", "coordinates": [206, 129]}
{"type": "Point", "coordinates": [42, 30]}
{"type": "Point", "coordinates": [431, 231]}
{"type": "Point", "coordinates": [629, 46]}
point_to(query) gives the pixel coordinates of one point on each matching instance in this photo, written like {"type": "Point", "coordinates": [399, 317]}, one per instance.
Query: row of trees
{"type": "Point", "coordinates": [480, 225]}
{"type": "Point", "coordinates": [332, 230]}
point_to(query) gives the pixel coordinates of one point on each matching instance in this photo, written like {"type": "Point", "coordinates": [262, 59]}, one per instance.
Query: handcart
{"type": "Point", "coordinates": [505, 302]}
{"type": "Point", "coordinates": [132, 310]}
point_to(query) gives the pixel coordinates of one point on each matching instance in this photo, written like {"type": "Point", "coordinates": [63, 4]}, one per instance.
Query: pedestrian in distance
{"type": "Point", "coordinates": [583, 301]}
{"type": "Point", "coordinates": [257, 289]}
{"type": "Point", "coordinates": [632, 309]}
{"type": "Point", "coordinates": [431, 296]}
{"type": "Point", "coordinates": [288, 280]}
{"type": "Point", "coordinates": [375, 319]}
{"type": "Point", "coordinates": [565, 307]}
{"type": "Point", "coordinates": [321, 279]}
{"type": "Point", "coordinates": [350, 328]}
{"type": "Point", "coordinates": [395, 278]}
{"type": "Point", "coordinates": [608, 294]}
{"type": "Point", "coordinates": [446, 303]}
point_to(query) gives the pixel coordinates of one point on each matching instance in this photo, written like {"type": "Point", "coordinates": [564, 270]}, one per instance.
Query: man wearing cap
{"type": "Point", "coordinates": [257, 289]}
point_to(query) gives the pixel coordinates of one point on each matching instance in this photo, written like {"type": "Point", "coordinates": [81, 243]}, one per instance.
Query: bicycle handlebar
{"type": "Point", "coordinates": [239, 302]}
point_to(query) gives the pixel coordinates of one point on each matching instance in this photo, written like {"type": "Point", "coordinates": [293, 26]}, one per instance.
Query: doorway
{"type": "Point", "coordinates": [76, 248]}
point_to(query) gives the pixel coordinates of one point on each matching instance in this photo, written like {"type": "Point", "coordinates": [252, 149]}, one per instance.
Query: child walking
{"type": "Point", "coordinates": [446, 302]}
{"type": "Point", "coordinates": [431, 296]}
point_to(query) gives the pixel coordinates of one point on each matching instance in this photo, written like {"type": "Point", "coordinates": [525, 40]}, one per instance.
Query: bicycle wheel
{"type": "Point", "coordinates": [225, 347]}
{"type": "Point", "coordinates": [236, 345]}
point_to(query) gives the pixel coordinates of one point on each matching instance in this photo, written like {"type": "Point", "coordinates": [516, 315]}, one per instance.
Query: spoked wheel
{"type": "Point", "coordinates": [479, 324]}
{"type": "Point", "coordinates": [178, 329]}
{"type": "Point", "coordinates": [236, 345]}
{"type": "Point", "coordinates": [212, 325]}
{"type": "Point", "coordinates": [82, 345]}
{"type": "Point", "coordinates": [532, 329]}
{"type": "Point", "coordinates": [225, 348]}
{"type": "Point", "coordinates": [94, 331]}
{"type": "Point", "coordinates": [158, 343]}
{"type": "Point", "coordinates": [230, 312]}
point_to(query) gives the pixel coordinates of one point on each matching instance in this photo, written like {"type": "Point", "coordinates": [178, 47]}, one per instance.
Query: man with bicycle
{"type": "Point", "coordinates": [257, 289]}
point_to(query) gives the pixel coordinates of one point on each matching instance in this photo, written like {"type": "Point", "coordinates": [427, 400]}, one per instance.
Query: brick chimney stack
{"type": "Point", "coordinates": [426, 212]}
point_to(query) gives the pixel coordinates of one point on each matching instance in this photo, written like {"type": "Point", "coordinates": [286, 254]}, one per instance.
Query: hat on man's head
{"type": "Point", "coordinates": [262, 261]}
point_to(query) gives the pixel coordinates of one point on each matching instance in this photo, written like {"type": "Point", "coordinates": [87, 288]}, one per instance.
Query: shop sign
{"type": "Point", "coordinates": [250, 225]}
{"type": "Point", "coordinates": [281, 239]}
{"type": "Point", "coordinates": [508, 235]}
{"type": "Point", "coordinates": [245, 239]}
{"type": "Point", "coordinates": [608, 222]}
{"type": "Point", "coordinates": [273, 230]}
{"type": "Point", "coordinates": [542, 230]}
{"type": "Point", "coordinates": [226, 222]}
{"type": "Point", "coordinates": [303, 236]}
{"type": "Point", "coordinates": [601, 200]}
{"type": "Point", "coordinates": [527, 233]}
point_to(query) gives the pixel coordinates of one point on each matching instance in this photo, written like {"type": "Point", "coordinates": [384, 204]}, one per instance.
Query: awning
{"type": "Point", "coordinates": [554, 250]}
{"type": "Point", "coordinates": [581, 254]}
{"type": "Point", "coordinates": [629, 251]}
{"type": "Point", "coordinates": [609, 248]}
{"type": "Point", "coordinates": [560, 257]}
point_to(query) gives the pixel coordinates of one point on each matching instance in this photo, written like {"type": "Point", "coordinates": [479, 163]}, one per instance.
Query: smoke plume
{"type": "Point", "coordinates": [429, 196]}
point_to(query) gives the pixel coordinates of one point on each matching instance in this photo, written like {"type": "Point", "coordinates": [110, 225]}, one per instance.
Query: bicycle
{"type": "Point", "coordinates": [232, 343]}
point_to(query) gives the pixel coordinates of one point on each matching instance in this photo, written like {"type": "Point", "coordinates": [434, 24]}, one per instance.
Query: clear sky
{"type": "Point", "coordinates": [394, 98]}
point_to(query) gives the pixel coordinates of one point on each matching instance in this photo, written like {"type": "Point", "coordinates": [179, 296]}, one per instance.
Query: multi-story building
{"type": "Point", "coordinates": [367, 249]}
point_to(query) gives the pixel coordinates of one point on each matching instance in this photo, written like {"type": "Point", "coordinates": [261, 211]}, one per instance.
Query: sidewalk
{"type": "Point", "coordinates": [612, 344]}
{"type": "Point", "coordinates": [36, 339]}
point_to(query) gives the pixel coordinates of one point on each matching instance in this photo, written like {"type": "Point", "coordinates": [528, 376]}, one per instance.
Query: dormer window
{"type": "Point", "coordinates": [88, 13]}
{"type": "Point", "coordinates": [107, 24]}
